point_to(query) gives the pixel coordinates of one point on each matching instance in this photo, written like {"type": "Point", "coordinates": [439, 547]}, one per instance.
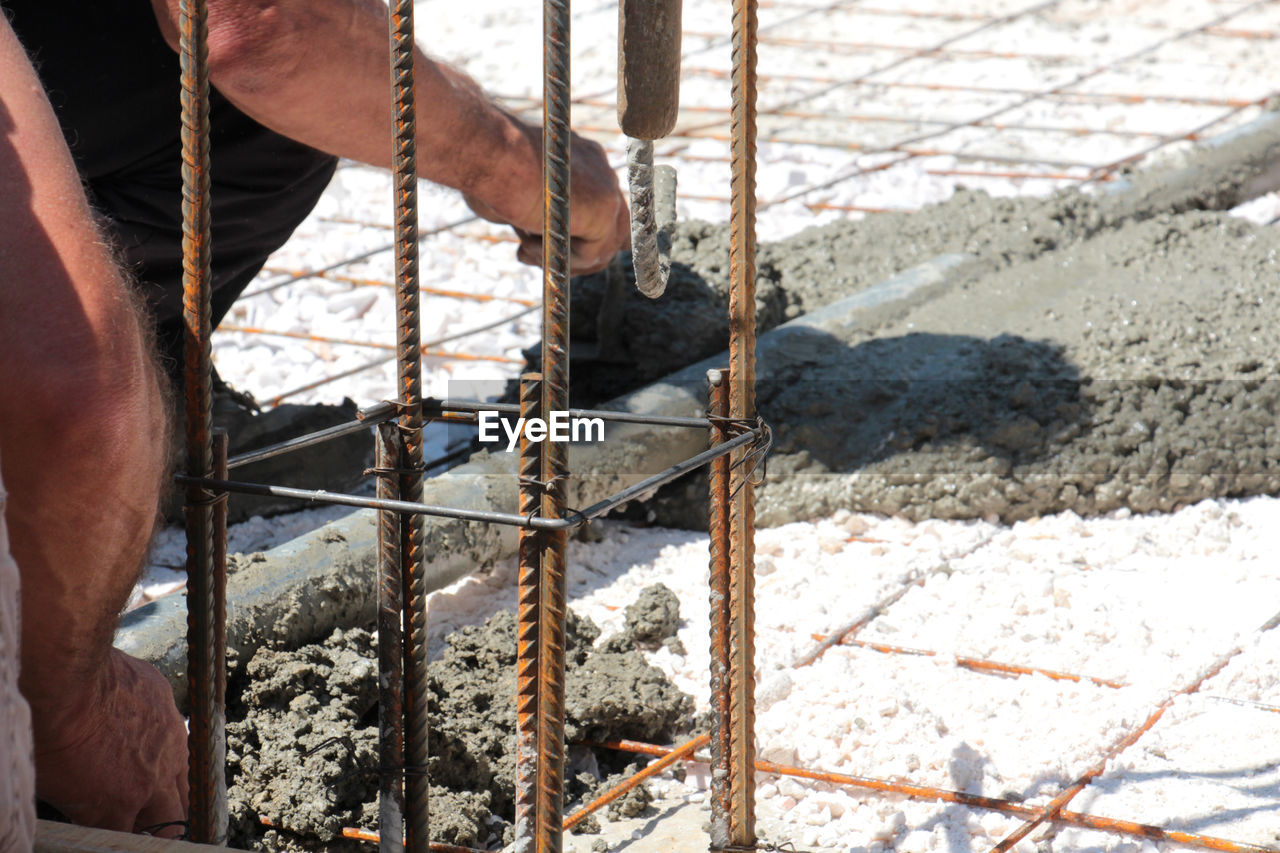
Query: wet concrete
{"type": "Point", "coordinates": [1101, 351]}
{"type": "Point", "coordinates": [302, 733]}
{"type": "Point", "coordinates": [1128, 370]}
{"type": "Point", "coordinates": [655, 337]}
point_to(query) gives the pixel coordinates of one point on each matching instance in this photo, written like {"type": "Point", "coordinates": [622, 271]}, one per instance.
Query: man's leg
{"type": "Point", "coordinates": [82, 426]}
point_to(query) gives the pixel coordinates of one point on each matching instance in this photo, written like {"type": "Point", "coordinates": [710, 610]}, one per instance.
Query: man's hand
{"type": "Point", "coordinates": [599, 220]}
{"type": "Point", "coordinates": [119, 760]}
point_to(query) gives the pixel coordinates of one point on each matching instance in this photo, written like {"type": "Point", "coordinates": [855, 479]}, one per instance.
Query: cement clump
{"type": "Point", "coordinates": [302, 736]}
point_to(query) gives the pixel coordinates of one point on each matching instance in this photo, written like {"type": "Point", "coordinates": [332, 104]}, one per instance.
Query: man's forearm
{"type": "Point", "coordinates": [316, 71]}
{"type": "Point", "coordinates": [80, 406]}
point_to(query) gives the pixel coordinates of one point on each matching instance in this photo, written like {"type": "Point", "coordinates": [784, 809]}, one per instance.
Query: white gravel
{"type": "Point", "coordinates": [1147, 601]}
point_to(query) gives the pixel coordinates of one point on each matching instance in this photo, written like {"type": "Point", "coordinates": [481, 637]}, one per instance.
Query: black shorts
{"type": "Point", "coordinates": [113, 83]}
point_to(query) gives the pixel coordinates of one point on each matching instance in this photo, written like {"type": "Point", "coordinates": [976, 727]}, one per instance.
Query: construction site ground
{"type": "Point", "coordinates": [1095, 495]}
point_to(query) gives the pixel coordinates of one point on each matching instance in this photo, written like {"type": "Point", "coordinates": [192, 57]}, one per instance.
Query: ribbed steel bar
{"type": "Point", "coordinates": [390, 649]}
{"type": "Point", "coordinates": [718, 528]}
{"type": "Point", "coordinates": [528, 588]}
{"type": "Point", "coordinates": [208, 814]}
{"type": "Point", "coordinates": [409, 369]}
{"type": "Point", "coordinates": [555, 398]}
{"type": "Point", "coordinates": [742, 383]}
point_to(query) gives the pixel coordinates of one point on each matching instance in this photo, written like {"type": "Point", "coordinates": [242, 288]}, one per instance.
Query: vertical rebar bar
{"type": "Point", "coordinates": [718, 528]}
{"type": "Point", "coordinates": [409, 363]}
{"type": "Point", "coordinates": [390, 649]}
{"type": "Point", "coordinates": [555, 397]}
{"type": "Point", "coordinates": [742, 382]}
{"type": "Point", "coordinates": [528, 598]}
{"type": "Point", "coordinates": [208, 821]}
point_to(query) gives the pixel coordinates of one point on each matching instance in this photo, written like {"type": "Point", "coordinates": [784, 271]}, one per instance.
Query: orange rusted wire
{"type": "Point", "coordinates": [325, 339]}
{"type": "Point", "coordinates": [976, 664]}
{"type": "Point", "coordinates": [1118, 97]}
{"type": "Point", "coordinates": [666, 760]}
{"type": "Point", "coordinates": [680, 752]}
{"type": "Point", "coordinates": [367, 835]}
{"type": "Point", "coordinates": [933, 52]}
{"type": "Point", "coordinates": [433, 291]}
{"type": "Point", "coordinates": [924, 792]}
{"type": "Point", "coordinates": [1057, 803]}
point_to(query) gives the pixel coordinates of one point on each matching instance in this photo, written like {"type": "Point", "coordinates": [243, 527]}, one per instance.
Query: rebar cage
{"type": "Point", "coordinates": [736, 440]}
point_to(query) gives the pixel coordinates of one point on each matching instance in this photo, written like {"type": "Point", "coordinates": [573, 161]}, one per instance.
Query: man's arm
{"type": "Point", "coordinates": [316, 71]}
{"type": "Point", "coordinates": [81, 412]}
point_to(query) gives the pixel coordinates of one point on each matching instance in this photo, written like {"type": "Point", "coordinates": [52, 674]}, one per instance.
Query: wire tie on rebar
{"type": "Point", "coordinates": [757, 454]}
{"type": "Point", "coordinates": [214, 499]}
{"type": "Point", "coordinates": [391, 472]}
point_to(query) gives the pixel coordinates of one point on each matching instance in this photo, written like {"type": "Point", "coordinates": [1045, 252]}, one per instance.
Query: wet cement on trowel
{"type": "Point", "coordinates": [1097, 355]}
{"type": "Point", "coordinates": [303, 742]}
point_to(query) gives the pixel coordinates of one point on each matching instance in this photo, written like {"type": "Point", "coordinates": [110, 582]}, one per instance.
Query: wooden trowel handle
{"type": "Point", "coordinates": [648, 67]}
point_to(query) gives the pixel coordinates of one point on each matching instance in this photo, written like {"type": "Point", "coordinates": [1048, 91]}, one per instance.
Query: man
{"type": "Point", "coordinates": [82, 394]}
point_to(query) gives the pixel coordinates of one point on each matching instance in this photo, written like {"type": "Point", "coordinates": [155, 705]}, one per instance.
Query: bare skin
{"type": "Point", "coordinates": [80, 404]}
{"type": "Point", "coordinates": [316, 71]}
{"type": "Point", "coordinates": [81, 401]}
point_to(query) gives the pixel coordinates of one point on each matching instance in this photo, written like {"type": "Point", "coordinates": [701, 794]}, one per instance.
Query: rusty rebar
{"type": "Point", "coordinates": [528, 588]}
{"type": "Point", "coordinates": [718, 529]}
{"type": "Point", "coordinates": [409, 368]}
{"type": "Point", "coordinates": [207, 739]}
{"type": "Point", "coordinates": [390, 648]}
{"type": "Point", "coordinates": [357, 834]}
{"type": "Point", "coordinates": [630, 783]}
{"type": "Point", "coordinates": [555, 397]}
{"type": "Point", "coordinates": [742, 382]}
{"type": "Point", "coordinates": [1055, 806]}
{"type": "Point", "coordinates": [925, 792]}
{"type": "Point", "coordinates": [977, 664]}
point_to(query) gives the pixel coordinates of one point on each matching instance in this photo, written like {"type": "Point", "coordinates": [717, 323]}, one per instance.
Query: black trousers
{"type": "Point", "coordinates": [113, 83]}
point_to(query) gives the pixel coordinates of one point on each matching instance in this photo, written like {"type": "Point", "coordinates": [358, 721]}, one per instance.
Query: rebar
{"type": "Point", "coordinates": [925, 792]}
{"type": "Point", "coordinates": [528, 598]}
{"type": "Point", "coordinates": [978, 664]}
{"type": "Point", "coordinates": [1054, 806]}
{"type": "Point", "coordinates": [390, 648]}
{"type": "Point", "coordinates": [409, 368]}
{"type": "Point", "coordinates": [742, 381]}
{"type": "Point", "coordinates": [206, 741]}
{"type": "Point", "coordinates": [718, 532]}
{"type": "Point", "coordinates": [630, 783]}
{"type": "Point", "coordinates": [555, 398]}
